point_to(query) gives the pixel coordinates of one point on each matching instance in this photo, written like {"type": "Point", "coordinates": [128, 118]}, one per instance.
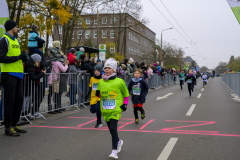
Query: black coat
{"type": "Point", "coordinates": [190, 78]}
{"type": "Point", "coordinates": [85, 65]}
{"type": "Point", "coordinates": [137, 99]}
{"type": "Point", "coordinates": [31, 80]}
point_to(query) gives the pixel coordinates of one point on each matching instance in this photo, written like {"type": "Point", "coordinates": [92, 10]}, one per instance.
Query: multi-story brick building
{"type": "Point", "coordinates": [121, 32]}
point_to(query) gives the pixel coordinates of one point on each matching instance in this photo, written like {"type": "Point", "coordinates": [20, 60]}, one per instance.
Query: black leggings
{"type": "Point", "coordinates": [112, 126]}
{"type": "Point", "coordinates": [136, 109]}
{"type": "Point", "coordinates": [190, 88]}
{"type": "Point", "coordinates": [181, 83]}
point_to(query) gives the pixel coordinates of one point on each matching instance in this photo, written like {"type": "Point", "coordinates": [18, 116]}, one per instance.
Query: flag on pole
{"type": "Point", "coordinates": [4, 16]}
{"type": "Point", "coordinates": [235, 6]}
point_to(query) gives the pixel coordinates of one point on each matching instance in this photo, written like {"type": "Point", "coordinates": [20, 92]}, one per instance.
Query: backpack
{"type": "Point", "coordinates": [131, 69]}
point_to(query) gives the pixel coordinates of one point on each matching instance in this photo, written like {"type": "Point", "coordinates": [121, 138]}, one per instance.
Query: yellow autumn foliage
{"type": "Point", "coordinates": [44, 14]}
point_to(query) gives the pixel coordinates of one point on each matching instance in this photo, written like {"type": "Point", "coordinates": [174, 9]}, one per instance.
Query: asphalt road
{"type": "Point", "coordinates": [177, 127]}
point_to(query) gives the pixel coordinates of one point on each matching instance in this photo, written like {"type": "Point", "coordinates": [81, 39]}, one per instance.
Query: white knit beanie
{"type": "Point", "coordinates": [111, 63]}
{"type": "Point", "coordinates": [82, 49]}
{"type": "Point", "coordinates": [130, 60]}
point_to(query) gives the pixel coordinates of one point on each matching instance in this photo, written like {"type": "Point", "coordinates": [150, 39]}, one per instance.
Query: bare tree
{"type": "Point", "coordinates": [124, 11]}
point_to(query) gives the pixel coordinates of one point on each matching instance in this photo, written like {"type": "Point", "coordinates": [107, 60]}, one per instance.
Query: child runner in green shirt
{"type": "Point", "coordinates": [114, 96]}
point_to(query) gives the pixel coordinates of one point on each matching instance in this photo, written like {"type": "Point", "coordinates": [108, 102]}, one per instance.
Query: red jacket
{"type": "Point", "coordinates": [71, 58]}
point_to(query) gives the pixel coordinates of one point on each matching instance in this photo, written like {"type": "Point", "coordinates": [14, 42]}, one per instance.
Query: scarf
{"type": "Point", "coordinates": [136, 80]}
{"type": "Point", "coordinates": [105, 77]}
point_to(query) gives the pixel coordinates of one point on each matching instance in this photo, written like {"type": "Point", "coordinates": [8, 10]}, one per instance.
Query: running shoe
{"type": "Point", "coordinates": [113, 155]}
{"type": "Point", "coordinates": [98, 125]}
{"type": "Point", "coordinates": [143, 115]}
{"type": "Point", "coordinates": [136, 121]}
{"type": "Point", "coordinates": [18, 130]}
{"type": "Point", "coordinates": [11, 132]}
{"type": "Point", "coordinates": [120, 143]}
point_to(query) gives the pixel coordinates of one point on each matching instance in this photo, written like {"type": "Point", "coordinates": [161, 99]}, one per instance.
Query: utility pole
{"type": "Point", "coordinates": [162, 39]}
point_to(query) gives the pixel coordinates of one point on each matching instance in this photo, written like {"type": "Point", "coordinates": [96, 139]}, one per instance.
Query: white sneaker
{"type": "Point", "coordinates": [113, 155]}
{"type": "Point", "coordinates": [120, 143]}
{"type": "Point", "coordinates": [37, 115]}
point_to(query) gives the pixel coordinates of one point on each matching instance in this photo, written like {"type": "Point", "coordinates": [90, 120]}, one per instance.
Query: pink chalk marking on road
{"type": "Point", "coordinates": [141, 131]}
{"type": "Point", "coordinates": [185, 121]}
{"type": "Point", "coordinates": [147, 124]}
{"type": "Point", "coordinates": [203, 123]}
{"type": "Point", "coordinates": [127, 123]}
{"type": "Point", "coordinates": [83, 117]}
{"type": "Point", "coordinates": [87, 123]}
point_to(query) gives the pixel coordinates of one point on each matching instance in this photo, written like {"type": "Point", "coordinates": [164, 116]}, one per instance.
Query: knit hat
{"type": "Point", "coordinates": [73, 50]}
{"type": "Point", "coordinates": [99, 60]}
{"type": "Point", "coordinates": [155, 64]}
{"type": "Point", "coordinates": [142, 63]}
{"type": "Point", "coordinates": [10, 24]}
{"type": "Point", "coordinates": [56, 43]}
{"type": "Point", "coordinates": [111, 63]}
{"type": "Point", "coordinates": [36, 57]}
{"type": "Point", "coordinates": [98, 68]}
{"type": "Point", "coordinates": [130, 60]}
{"type": "Point", "coordinates": [82, 49]}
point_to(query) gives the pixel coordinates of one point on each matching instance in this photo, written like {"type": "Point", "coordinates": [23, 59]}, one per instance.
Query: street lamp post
{"type": "Point", "coordinates": [98, 21]}
{"type": "Point", "coordinates": [162, 38]}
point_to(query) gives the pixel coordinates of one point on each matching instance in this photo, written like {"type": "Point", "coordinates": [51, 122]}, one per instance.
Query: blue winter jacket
{"type": "Point", "coordinates": [137, 99]}
{"type": "Point", "coordinates": [33, 39]}
{"type": "Point", "coordinates": [159, 68]}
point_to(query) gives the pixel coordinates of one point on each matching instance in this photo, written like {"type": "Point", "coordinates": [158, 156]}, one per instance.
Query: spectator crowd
{"type": "Point", "coordinates": [26, 76]}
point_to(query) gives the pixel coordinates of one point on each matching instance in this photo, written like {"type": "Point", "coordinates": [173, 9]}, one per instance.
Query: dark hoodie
{"type": "Point", "coordinates": [86, 66]}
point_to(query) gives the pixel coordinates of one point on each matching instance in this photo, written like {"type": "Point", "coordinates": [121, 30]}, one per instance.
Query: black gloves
{"type": "Point", "coordinates": [22, 57]}
{"type": "Point", "coordinates": [87, 96]}
{"type": "Point", "coordinates": [124, 107]}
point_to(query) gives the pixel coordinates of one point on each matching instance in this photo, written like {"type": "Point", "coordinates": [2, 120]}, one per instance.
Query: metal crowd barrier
{"type": "Point", "coordinates": [56, 92]}
{"type": "Point", "coordinates": [232, 81]}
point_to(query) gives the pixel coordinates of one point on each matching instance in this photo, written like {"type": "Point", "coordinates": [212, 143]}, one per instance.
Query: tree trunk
{"type": "Point", "coordinates": [19, 11]}
{"type": "Point", "coordinates": [13, 10]}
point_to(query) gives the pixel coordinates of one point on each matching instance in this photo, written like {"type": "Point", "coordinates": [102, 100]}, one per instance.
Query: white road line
{"type": "Point", "coordinates": [202, 89]}
{"type": "Point", "coordinates": [168, 149]}
{"type": "Point", "coordinates": [189, 113]}
{"type": "Point", "coordinates": [199, 96]}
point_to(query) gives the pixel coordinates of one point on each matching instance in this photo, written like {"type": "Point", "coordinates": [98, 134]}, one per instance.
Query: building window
{"type": "Point", "coordinates": [137, 40]}
{"type": "Point", "coordinates": [112, 34]}
{"type": "Point", "coordinates": [104, 34]}
{"type": "Point", "coordinates": [129, 50]}
{"type": "Point", "coordinates": [88, 21]}
{"type": "Point", "coordinates": [130, 35]}
{"type": "Point", "coordinates": [104, 20]}
{"type": "Point", "coordinates": [95, 34]}
{"type": "Point", "coordinates": [113, 20]}
{"type": "Point", "coordinates": [95, 21]}
{"type": "Point", "coordinates": [112, 48]}
{"type": "Point", "coordinates": [73, 34]}
{"type": "Point", "coordinates": [79, 21]}
{"type": "Point", "coordinates": [60, 29]}
{"type": "Point", "coordinates": [79, 34]}
{"type": "Point", "coordinates": [87, 34]}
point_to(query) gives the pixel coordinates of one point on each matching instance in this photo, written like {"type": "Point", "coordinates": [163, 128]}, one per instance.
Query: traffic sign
{"type": "Point", "coordinates": [102, 52]}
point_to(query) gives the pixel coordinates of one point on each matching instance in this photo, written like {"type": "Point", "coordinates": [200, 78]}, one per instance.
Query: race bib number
{"type": "Point", "coordinates": [136, 90]}
{"type": "Point", "coordinates": [182, 79]}
{"type": "Point", "coordinates": [94, 86]}
{"type": "Point", "coordinates": [108, 103]}
{"type": "Point", "coordinates": [189, 81]}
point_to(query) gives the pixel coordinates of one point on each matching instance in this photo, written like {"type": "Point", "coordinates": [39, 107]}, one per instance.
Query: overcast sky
{"type": "Point", "coordinates": [209, 23]}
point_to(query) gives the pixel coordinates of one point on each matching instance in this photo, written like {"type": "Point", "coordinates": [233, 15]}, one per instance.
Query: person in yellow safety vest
{"type": "Point", "coordinates": [11, 60]}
